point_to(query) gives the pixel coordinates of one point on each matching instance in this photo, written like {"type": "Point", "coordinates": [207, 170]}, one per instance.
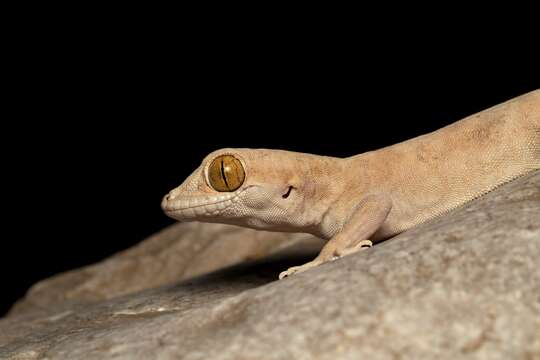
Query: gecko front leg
{"type": "Point", "coordinates": [368, 216]}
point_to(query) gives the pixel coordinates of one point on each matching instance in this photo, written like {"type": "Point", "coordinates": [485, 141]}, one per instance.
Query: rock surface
{"type": "Point", "coordinates": [465, 285]}
{"type": "Point", "coordinates": [181, 251]}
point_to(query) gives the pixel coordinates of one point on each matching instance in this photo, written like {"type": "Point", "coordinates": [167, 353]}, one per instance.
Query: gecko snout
{"type": "Point", "coordinates": [171, 195]}
{"type": "Point", "coordinates": [165, 200]}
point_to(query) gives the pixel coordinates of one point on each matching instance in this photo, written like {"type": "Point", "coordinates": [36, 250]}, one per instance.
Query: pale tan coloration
{"type": "Point", "coordinates": [374, 195]}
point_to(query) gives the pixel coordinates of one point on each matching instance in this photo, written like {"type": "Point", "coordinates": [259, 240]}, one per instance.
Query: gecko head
{"type": "Point", "coordinates": [257, 188]}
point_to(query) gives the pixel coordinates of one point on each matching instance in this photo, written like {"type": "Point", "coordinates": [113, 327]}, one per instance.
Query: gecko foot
{"type": "Point", "coordinates": [362, 245]}
{"type": "Point", "coordinates": [298, 269]}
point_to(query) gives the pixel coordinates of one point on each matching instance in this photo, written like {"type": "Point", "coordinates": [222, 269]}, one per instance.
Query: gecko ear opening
{"type": "Point", "coordinates": [286, 195]}
{"type": "Point", "coordinates": [226, 173]}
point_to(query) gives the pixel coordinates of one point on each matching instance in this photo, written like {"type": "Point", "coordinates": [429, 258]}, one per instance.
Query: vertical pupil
{"type": "Point", "coordinates": [223, 175]}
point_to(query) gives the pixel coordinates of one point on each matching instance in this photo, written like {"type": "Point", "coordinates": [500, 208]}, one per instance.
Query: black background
{"type": "Point", "coordinates": [104, 123]}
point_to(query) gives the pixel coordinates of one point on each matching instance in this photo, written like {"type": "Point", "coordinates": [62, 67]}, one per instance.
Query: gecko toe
{"type": "Point", "coordinates": [284, 274]}
{"type": "Point", "coordinates": [299, 269]}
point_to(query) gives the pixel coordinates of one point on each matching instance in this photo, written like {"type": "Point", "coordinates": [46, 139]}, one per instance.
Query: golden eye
{"type": "Point", "coordinates": [226, 173]}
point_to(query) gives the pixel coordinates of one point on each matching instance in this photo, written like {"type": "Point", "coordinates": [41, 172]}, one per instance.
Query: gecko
{"type": "Point", "coordinates": [355, 201]}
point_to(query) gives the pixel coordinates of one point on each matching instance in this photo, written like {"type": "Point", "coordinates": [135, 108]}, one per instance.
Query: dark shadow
{"type": "Point", "coordinates": [257, 272]}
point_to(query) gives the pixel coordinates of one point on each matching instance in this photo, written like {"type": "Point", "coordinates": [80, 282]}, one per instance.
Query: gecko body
{"type": "Point", "coordinates": [367, 197]}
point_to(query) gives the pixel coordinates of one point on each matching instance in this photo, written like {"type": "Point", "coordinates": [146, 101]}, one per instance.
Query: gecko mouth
{"type": "Point", "coordinates": [198, 206]}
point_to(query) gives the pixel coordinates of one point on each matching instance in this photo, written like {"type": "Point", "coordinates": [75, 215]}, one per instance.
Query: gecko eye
{"type": "Point", "coordinates": [226, 173]}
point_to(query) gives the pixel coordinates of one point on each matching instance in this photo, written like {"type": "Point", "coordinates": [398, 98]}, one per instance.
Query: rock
{"type": "Point", "coordinates": [465, 285]}
{"type": "Point", "coordinates": [181, 251]}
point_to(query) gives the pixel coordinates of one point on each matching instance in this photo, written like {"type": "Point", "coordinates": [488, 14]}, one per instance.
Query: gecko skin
{"type": "Point", "coordinates": [371, 196]}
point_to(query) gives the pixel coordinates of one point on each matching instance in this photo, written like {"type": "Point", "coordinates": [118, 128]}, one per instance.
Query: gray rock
{"type": "Point", "coordinates": [465, 285]}
{"type": "Point", "coordinates": [181, 251]}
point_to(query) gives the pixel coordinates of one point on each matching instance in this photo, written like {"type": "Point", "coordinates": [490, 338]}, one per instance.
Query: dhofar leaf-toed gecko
{"type": "Point", "coordinates": [368, 197]}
